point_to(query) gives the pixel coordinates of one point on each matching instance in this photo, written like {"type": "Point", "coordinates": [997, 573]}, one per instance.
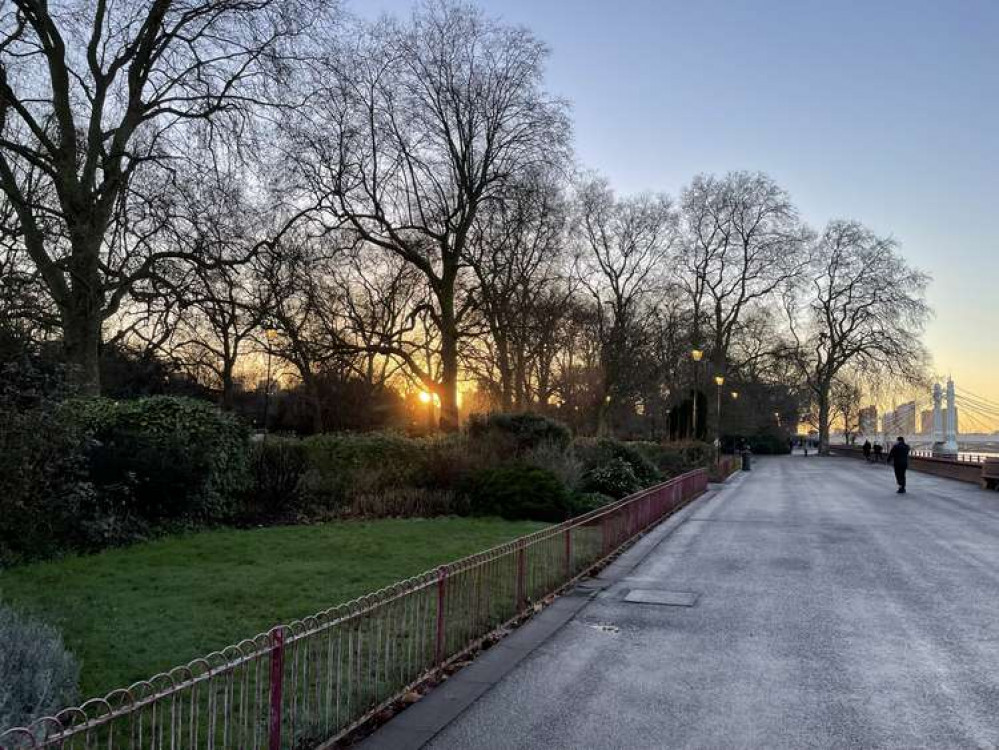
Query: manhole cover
{"type": "Point", "coordinates": [665, 598]}
{"type": "Point", "coordinates": [605, 628]}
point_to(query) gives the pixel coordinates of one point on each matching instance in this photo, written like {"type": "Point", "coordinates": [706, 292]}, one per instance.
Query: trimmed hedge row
{"type": "Point", "coordinates": [93, 473]}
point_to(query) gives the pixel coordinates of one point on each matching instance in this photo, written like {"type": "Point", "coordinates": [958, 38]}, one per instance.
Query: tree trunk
{"type": "Point", "coordinates": [824, 418]}
{"type": "Point", "coordinates": [520, 379]}
{"type": "Point", "coordinates": [228, 386]}
{"type": "Point", "coordinates": [450, 421]}
{"type": "Point", "coordinates": [505, 372]}
{"type": "Point", "coordinates": [82, 320]}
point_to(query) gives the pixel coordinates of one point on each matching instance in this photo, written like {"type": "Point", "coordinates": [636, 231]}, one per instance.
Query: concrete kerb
{"type": "Point", "coordinates": [421, 722]}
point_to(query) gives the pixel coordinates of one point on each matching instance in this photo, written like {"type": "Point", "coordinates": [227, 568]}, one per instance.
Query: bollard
{"type": "Point", "coordinates": [747, 460]}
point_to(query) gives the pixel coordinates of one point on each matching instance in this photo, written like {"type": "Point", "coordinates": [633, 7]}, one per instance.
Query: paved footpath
{"type": "Point", "coordinates": [831, 613]}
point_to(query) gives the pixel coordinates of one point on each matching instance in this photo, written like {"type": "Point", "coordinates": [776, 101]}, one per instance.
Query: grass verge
{"type": "Point", "coordinates": [132, 612]}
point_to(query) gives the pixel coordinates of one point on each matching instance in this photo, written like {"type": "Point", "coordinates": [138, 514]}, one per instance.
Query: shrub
{"type": "Point", "coordinates": [584, 502]}
{"type": "Point", "coordinates": [277, 468]}
{"type": "Point", "coordinates": [45, 493]}
{"type": "Point", "coordinates": [450, 459]}
{"type": "Point", "coordinates": [595, 453]}
{"type": "Point", "coordinates": [518, 492]}
{"type": "Point", "coordinates": [408, 502]}
{"type": "Point", "coordinates": [614, 478]}
{"type": "Point", "coordinates": [512, 435]}
{"type": "Point", "coordinates": [38, 675]}
{"type": "Point", "coordinates": [668, 459]}
{"type": "Point", "coordinates": [561, 462]}
{"type": "Point", "coordinates": [339, 463]}
{"type": "Point", "coordinates": [768, 444]}
{"type": "Point", "coordinates": [165, 457]}
{"type": "Point", "coordinates": [696, 454]}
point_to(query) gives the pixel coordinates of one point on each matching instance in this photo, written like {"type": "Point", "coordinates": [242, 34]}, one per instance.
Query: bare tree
{"type": "Point", "coordinates": [865, 308]}
{"type": "Point", "coordinates": [625, 248]}
{"type": "Point", "coordinates": [102, 105]}
{"type": "Point", "coordinates": [844, 398]}
{"type": "Point", "coordinates": [743, 243]}
{"type": "Point", "coordinates": [418, 127]}
{"type": "Point", "coordinates": [515, 250]}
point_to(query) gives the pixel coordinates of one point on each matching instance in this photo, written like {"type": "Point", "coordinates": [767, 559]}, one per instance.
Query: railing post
{"type": "Point", "coordinates": [442, 572]}
{"type": "Point", "coordinates": [521, 576]}
{"type": "Point", "coordinates": [568, 553]}
{"type": "Point", "coordinates": [605, 535]}
{"type": "Point", "coordinates": [276, 687]}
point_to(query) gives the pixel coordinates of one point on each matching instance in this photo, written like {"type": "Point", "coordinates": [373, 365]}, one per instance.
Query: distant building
{"type": "Point", "coordinates": [869, 421]}
{"type": "Point", "coordinates": [926, 421]}
{"type": "Point", "coordinates": [904, 422]}
{"type": "Point", "coordinates": [888, 422]}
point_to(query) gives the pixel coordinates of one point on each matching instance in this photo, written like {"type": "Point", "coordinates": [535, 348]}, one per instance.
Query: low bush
{"type": "Point", "coordinates": [517, 492]}
{"type": "Point", "coordinates": [46, 497]}
{"type": "Point", "coordinates": [597, 452]}
{"type": "Point", "coordinates": [512, 435]}
{"type": "Point", "coordinates": [696, 454]}
{"type": "Point", "coordinates": [584, 502]}
{"type": "Point", "coordinates": [768, 444]}
{"type": "Point", "coordinates": [614, 478]}
{"type": "Point", "coordinates": [277, 467]}
{"type": "Point", "coordinates": [408, 502]}
{"type": "Point", "coordinates": [341, 465]}
{"type": "Point", "coordinates": [39, 676]}
{"type": "Point", "coordinates": [668, 459]}
{"type": "Point", "coordinates": [561, 462]}
{"type": "Point", "coordinates": [164, 458]}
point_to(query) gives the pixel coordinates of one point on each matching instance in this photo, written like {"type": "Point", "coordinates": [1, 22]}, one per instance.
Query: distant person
{"type": "Point", "coordinates": [898, 457]}
{"type": "Point", "coordinates": [878, 452]}
{"type": "Point", "coordinates": [867, 451]}
{"type": "Point", "coordinates": [805, 446]}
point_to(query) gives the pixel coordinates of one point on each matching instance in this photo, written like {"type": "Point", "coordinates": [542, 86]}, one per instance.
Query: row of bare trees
{"type": "Point", "coordinates": [396, 201]}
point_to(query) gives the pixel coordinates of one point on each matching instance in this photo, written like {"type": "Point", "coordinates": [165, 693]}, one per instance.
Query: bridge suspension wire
{"type": "Point", "coordinates": [985, 401]}
{"type": "Point", "coordinates": [982, 421]}
{"type": "Point", "coordinates": [972, 404]}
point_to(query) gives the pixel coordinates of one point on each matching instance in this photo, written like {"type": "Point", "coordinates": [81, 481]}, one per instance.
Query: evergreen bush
{"type": "Point", "coordinates": [518, 492]}
{"type": "Point", "coordinates": [39, 676]}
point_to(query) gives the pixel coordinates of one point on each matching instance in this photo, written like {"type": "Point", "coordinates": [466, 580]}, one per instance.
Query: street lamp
{"type": "Point", "coordinates": [697, 355]}
{"type": "Point", "coordinates": [719, 381]}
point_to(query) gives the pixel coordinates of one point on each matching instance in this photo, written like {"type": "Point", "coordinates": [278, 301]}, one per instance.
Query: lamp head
{"type": "Point", "coordinates": [697, 354]}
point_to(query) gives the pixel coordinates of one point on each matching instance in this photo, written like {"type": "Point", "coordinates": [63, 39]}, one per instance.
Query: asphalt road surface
{"type": "Point", "coordinates": [830, 613]}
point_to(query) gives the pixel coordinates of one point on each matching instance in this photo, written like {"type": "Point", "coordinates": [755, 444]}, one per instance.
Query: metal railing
{"type": "Point", "coordinates": [961, 458]}
{"type": "Point", "coordinates": [312, 681]}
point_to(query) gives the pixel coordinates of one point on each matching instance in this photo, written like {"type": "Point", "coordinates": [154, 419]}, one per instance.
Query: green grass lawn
{"type": "Point", "coordinates": [129, 613]}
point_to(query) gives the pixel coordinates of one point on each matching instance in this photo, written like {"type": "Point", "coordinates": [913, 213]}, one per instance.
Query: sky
{"type": "Point", "coordinates": [882, 111]}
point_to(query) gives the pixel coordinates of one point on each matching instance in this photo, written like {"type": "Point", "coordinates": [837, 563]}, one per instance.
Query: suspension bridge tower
{"type": "Point", "coordinates": [945, 438]}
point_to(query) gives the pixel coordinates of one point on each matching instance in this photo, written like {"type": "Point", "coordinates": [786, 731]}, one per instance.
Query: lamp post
{"type": "Point", "coordinates": [719, 381]}
{"type": "Point", "coordinates": [270, 334]}
{"type": "Point", "coordinates": [696, 355]}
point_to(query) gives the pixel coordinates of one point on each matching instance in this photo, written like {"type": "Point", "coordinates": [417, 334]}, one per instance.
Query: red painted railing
{"type": "Point", "coordinates": [308, 683]}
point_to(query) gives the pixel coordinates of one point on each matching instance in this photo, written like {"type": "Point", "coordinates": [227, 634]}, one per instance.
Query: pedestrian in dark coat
{"type": "Point", "coordinates": [878, 452]}
{"type": "Point", "coordinates": [867, 451]}
{"type": "Point", "coordinates": [898, 457]}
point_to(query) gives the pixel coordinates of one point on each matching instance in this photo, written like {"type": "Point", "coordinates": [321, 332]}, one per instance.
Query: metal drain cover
{"type": "Point", "coordinates": [664, 598]}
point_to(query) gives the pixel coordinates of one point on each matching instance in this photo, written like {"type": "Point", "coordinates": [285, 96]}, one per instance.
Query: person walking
{"type": "Point", "coordinates": [898, 457]}
{"type": "Point", "coordinates": [878, 450]}
{"type": "Point", "coordinates": [867, 451]}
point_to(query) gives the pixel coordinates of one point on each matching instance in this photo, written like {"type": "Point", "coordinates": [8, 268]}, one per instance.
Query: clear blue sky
{"type": "Point", "coordinates": [887, 112]}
